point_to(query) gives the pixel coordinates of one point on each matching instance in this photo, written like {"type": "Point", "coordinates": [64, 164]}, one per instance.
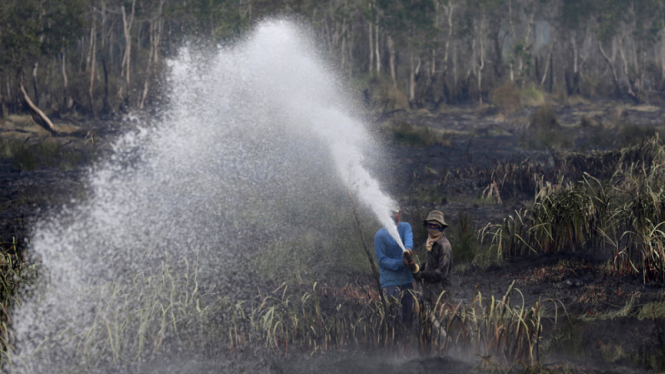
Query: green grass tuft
{"type": "Point", "coordinates": [652, 310]}
{"type": "Point", "coordinates": [533, 96]}
{"type": "Point", "coordinates": [29, 154]}
{"type": "Point", "coordinates": [544, 131]}
{"type": "Point", "coordinates": [622, 213]}
{"type": "Point", "coordinates": [416, 136]}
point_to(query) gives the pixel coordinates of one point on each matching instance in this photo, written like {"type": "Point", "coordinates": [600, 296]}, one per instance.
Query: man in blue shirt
{"type": "Point", "coordinates": [396, 272]}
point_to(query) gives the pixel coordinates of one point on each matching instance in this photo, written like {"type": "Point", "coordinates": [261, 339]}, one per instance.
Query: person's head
{"type": "Point", "coordinates": [395, 211]}
{"type": "Point", "coordinates": [435, 223]}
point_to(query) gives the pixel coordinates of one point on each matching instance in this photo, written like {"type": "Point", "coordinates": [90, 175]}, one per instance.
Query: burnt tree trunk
{"type": "Point", "coordinates": [391, 52]}
{"type": "Point", "coordinates": [64, 82]}
{"type": "Point", "coordinates": [93, 64]}
{"type": "Point", "coordinates": [106, 108]}
{"type": "Point", "coordinates": [155, 37]}
{"type": "Point", "coordinates": [572, 83]}
{"type": "Point", "coordinates": [3, 104]}
{"type": "Point", "coordinates": [34, 82]}
{"type": "Point", "coordinates": [127, 23]}
{"type": "Point", "coordinates": [615, 77]}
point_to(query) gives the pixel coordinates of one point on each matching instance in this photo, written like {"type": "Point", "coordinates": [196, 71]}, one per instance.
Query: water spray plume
{"type": "Point", "coordinates": [249, 153]}
{"type": "Point", "coordinates": [327, 116]}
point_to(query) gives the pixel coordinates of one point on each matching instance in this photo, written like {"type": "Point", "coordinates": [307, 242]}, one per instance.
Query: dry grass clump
{"type": "Point", "coordinates": [14, 271]}
{"type": "Point", "coordinates": [634, 134]}
{"type": "Point", "coordinates": [510, 179]}
{"type": "Point", "coordinates": [557, 273]}
{"type": "Point", "coordinates": [544, 131]}
{"type": "Point", "coordinates": [653, 310]}
{"type": "Point", "coordinates": [494, 328]}
{"type": "Point", "coordinates": [618, 134]}
{"type": "Point", "coordinates": [381, 95]}
{"type": "Point", "coordinates": [533, 96]}
{"type": "Point", "coordinates": [593, 295]}
{"type": "Point", "coordinates": [544, 119]}
{"type": "Point", "coordinates": [166, 311]}
{"type": "Point", "coordinates": [22, 125]}
{"type": "Point", "coordinates": [623, 214]}
{"type": "Point", "coordinates": [31, 154]}
{"type": "Point", "coordinates": [567, 339]}
{"type": "Point", "coordinates": [524, 180]}
{"type": "Point", "coordinates": [417, 136]}
{"type": "Point", "coordinates": [507, 97]}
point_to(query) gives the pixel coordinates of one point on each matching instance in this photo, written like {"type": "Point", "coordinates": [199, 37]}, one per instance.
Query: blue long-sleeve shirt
{"type": "Point", "coordinates": [389, 255]}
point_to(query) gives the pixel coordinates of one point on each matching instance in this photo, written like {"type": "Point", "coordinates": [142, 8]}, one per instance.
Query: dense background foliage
{"type": "Point", "coordinates": [98, 57]}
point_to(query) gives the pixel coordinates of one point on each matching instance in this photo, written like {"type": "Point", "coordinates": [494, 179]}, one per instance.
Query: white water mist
{"type": "Point", "coordinates": [249, 133]}
{"type": "Point", "coordinates": [326, 112]}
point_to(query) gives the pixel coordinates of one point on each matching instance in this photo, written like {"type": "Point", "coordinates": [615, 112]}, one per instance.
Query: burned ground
{"type": "Point", "coordinates": [603, 318]}
{"type": "Point", "coordinates": [597, 320]}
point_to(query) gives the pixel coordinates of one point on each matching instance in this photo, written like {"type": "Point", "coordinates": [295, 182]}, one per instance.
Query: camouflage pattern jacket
{"type": "Point", "coordinates": [436, 272]}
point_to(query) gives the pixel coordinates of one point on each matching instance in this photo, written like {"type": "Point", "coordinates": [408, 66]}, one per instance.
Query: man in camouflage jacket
{"type": "Point", "coordinates": [436, 272]}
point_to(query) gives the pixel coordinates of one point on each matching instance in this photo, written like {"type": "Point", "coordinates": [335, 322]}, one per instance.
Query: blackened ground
{"type": "Point", "coordinates": [598, 322]}
{"type": "Point", "coordinates": [337, 362]}
{"type": "Point", "coordinates": [27, 194]}
{"type": "Point", "coordinates": [360, 362]}
{"type": "Point", "coordinates": [600, 315]}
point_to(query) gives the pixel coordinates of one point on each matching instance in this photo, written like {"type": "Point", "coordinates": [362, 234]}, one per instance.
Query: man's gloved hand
{"type": "Point", "coordinates": [419, 274]}
{"type": "Point", "coordinates": [409, 263]}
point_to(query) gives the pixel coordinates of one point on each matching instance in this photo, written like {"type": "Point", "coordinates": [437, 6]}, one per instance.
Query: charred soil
{"type": "Point", "coordinates": [597, 320]}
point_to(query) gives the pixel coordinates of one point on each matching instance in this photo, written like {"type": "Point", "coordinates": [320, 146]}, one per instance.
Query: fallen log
{"type": "Point", "coordinates": [37, 115]}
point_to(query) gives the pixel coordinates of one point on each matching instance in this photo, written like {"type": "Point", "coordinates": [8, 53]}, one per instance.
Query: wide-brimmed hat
{"type": "Point", "coordinates": [436, 216]}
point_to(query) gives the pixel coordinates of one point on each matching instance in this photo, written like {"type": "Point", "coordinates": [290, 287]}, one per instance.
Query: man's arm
{"type": "Point", "coordinates": [441, 272]}
{"type": "Point", "coordinates": [383, 260]}
{"type": "Point", "coordinates": [446, 258]}
{"type": "Point", "coordinates": [408, 236]}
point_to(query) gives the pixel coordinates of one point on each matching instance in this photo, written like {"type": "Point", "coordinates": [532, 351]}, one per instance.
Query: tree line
{"type": "Point", "coordinates": [100, 57]}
